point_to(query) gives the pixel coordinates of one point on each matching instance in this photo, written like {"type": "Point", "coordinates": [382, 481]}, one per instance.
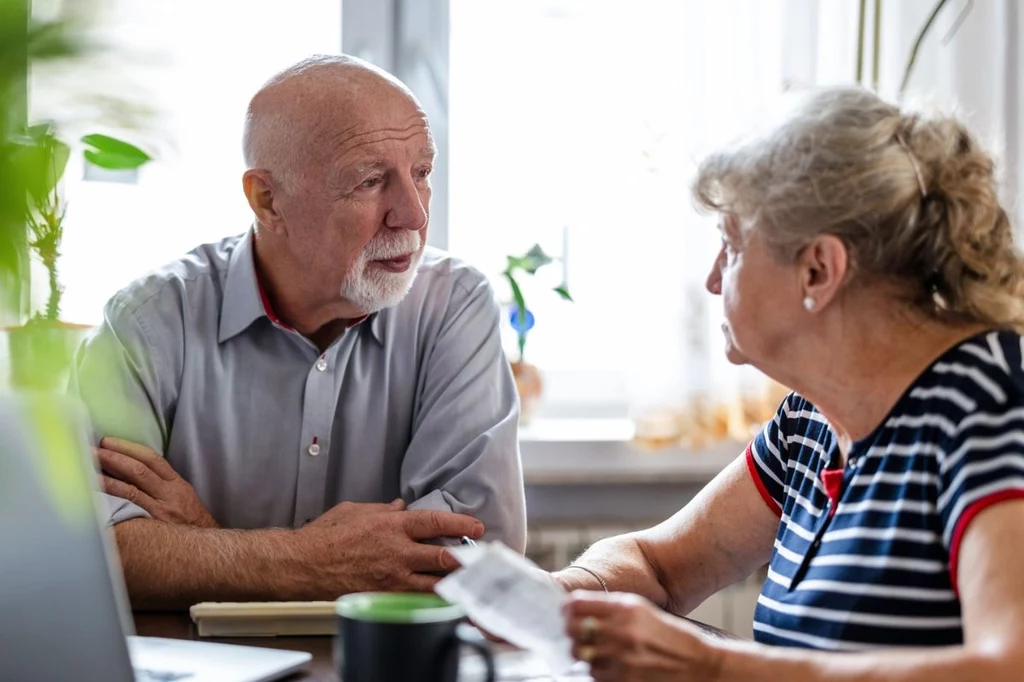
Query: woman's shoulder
{"type": "Point", "coordinates": [976, 388]}
{"type": "Point", "coordinates": [982, 373]}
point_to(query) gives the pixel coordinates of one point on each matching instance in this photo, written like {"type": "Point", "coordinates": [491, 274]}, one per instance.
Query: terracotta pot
{"type": "Point", "coordinates": [530, 387]}
{"type": "Point", "coordinates": [40, 353]}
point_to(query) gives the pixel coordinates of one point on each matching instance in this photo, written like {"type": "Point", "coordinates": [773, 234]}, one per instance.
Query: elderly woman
{"type": "Point", "coordinates": [866, 262]}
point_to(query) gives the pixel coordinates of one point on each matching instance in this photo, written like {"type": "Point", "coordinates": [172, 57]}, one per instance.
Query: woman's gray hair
{"type": "Point", "coordinates": [913, 198]}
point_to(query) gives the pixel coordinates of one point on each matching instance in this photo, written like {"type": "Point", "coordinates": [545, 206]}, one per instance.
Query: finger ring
{"type": "Point", "coordinates": [586, 654]}
{"type": "Point", "coordinates": [588, 628]}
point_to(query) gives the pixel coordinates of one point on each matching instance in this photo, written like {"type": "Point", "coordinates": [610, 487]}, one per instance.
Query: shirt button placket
{"type": "Point", "coordinates": [317, 417]}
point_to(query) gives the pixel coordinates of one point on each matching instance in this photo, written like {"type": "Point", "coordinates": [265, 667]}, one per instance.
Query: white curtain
{"type": "Point", "coordinates": [969, 63]}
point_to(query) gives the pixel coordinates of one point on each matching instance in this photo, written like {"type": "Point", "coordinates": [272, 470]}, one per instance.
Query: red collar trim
{"type": "Point", "coordinates": [269, 309]}
{"type": "Point", "coordinates": [272, 316]}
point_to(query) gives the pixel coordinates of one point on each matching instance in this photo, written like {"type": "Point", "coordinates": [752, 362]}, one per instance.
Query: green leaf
{"type": "Point", "coordinates": [517, 295]}
{"type": "Point", "coordinates": [54, 40]}
{"type": "Point", "coordinates": [40, 159]}
{"type": "Point", "coordinates": [563, 292]}
{"type": "Point", "coordinates": [534, 259]}
{"type": "Point", "coordinates": [40, 131]}
{"type": "Point", "coordinates": [113, 154]}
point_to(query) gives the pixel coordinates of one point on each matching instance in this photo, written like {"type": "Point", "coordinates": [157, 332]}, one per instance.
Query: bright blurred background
{"type": "Point", "coordinates": [572, 124]}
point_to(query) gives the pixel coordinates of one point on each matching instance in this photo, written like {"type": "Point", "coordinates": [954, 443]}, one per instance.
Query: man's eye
{"type": "Point", "coordinates": [424, 173]}
{"type": "Point", "coordinates": [370, 183]}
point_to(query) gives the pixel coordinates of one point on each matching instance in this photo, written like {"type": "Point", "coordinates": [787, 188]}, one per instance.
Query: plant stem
{"type": "Point", "coordinates": [53, 300]}
{"type": "Point", "coordinates": [47, 226]}
{"type": "Point", "coordinates": [861, 20]}
{"type": "Point", "coordinates": [876, 55]}
{"type": "Point", "coordinates": [917, 45]}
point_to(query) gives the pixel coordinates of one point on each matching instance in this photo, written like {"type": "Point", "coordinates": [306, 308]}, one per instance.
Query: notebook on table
{"type": "Point", "coordinates": [264, 619]}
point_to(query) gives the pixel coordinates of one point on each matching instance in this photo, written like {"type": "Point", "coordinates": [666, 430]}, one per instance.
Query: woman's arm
{"type": "Point", "coordinates": [992, 597]}
{"type": "Point", "coordinates": [628, 637]}
{"type": "Point", "coordinates": [721, 536]}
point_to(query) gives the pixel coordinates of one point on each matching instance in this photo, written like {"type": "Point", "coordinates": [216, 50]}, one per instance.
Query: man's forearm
{"type": "Point", "coordinates": [621, 563]}
{"type": "Point", "coordinates": [172, 566]}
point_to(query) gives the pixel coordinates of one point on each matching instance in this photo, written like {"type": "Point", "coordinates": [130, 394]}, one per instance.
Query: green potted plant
{"type": "Point", "coordinates": [40, 350]}
{"type": "Point", "coordinates": [32, 162]}
{"type": "Point", "coordinates": [528, 378]}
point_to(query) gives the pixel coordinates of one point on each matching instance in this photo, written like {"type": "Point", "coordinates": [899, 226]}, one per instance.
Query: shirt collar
{"type": "Point", "coordinates": [242, 303]}
{"type": "Point", "coordinates": [245, 301]}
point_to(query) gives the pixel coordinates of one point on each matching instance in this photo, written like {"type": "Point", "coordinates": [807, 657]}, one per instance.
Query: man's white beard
{"type": "Point", "coordinates": [372, 289]}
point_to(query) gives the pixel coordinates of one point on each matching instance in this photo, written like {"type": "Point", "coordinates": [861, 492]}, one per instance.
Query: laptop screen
{"type": "Point", "coordinates": [63, 611]}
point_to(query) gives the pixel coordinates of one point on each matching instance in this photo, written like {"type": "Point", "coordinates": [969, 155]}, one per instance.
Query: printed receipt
{"type": "Point", "coordinates": [510, 597]}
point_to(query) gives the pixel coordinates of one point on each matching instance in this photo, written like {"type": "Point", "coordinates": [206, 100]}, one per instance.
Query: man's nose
{"type": "Point", "coordinates": [409, 208]}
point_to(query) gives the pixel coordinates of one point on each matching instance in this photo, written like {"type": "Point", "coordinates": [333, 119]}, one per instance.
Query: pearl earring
{"type": "Point", "coordinates": [809, 303]}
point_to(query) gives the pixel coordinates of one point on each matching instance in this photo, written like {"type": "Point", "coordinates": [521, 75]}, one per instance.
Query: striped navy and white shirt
{"type": "Point", "coordinates": [866, 555]}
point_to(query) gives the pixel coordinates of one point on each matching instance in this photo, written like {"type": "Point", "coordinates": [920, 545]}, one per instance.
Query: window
{"type": "Point", "coordinates": [577, 125]}
{"type": "Point", "coordinates": [195, 64]}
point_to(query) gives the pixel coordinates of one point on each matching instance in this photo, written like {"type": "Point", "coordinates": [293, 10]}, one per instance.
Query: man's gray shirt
{"type": "Point", "coordinates": [417, 401]}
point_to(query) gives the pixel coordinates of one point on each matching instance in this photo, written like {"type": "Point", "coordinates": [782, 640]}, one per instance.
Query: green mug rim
{"type": "Point", "coordinates": [397, 607]}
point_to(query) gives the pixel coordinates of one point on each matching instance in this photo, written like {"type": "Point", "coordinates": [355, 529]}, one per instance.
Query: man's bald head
{"type": "Point", "coordinates": [296, 112]}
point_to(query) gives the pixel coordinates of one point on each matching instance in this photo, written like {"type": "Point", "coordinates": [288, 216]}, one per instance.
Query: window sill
{"type": "Point", "coordinates": [602, 451]}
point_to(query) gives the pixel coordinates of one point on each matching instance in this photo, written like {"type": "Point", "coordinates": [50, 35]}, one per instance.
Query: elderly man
{"type": "Point", "coordinates": [330, 396]}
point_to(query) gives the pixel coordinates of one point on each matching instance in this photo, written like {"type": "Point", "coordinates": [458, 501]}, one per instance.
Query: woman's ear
{"type": "Point", "coordinates": [823, 264]}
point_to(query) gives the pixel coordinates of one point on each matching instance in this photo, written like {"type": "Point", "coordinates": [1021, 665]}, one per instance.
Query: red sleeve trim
{"type": "Point", "coordinates": [756, 475]}
{"type": "Point", "coordinates": [965, 519]}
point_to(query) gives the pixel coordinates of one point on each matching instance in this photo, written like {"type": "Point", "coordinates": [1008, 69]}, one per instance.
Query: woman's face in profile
{"type": "Point", "coordinates": [760, 295]}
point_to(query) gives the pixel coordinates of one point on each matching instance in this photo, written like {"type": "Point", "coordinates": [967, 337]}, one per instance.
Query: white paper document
{"type": "Point", "coordinates": [510, 597]}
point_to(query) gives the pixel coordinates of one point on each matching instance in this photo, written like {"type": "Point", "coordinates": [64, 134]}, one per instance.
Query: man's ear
{"type": "Point", "coordinates": [824, 264]}
{"type": "Point", "coordinates": [261, 191]}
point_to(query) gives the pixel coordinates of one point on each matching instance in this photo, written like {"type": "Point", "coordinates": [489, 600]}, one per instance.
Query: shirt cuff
{"type": "Point", "coordinates": [118, 510]}
{"type": "Point", "coordinates": [965, 519]}
{"type": "Point", "coordinates": [436, 501]}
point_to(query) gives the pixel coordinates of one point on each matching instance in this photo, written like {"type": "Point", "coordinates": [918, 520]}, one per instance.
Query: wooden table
{"type": "Point", "coordinates": [178, 625]}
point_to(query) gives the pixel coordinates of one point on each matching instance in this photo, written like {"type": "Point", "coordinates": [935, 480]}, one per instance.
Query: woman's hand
{"type": "Point", "coordinates": [625, 637]}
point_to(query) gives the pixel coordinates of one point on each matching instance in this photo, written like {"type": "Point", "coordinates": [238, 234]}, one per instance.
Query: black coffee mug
{"type": "Point", "coordinates": [401, 637]}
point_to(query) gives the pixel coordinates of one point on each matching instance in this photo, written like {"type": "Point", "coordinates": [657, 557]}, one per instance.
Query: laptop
{"type": "Point", "coordinates": [64, 612]}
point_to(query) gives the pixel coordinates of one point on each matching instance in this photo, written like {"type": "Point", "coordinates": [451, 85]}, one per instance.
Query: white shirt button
{"type": "Point", "coordinates": [321, 364]}
{"type": "Point", "coordinates": [314, 449]}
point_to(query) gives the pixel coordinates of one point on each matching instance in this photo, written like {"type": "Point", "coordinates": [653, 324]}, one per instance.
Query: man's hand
{"type": "Point", "coordinates": [369, 547]}
{"type": "Point", "coordinates": [138, 474]}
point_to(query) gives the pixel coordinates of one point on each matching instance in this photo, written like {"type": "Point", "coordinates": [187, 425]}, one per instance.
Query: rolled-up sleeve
{"type": "Point", "coordinates": [464, 452]}
{"type": "Point", "coordinates": [114, 375]}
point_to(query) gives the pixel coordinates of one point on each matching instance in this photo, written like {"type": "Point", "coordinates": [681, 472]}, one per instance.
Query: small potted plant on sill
{"type": "Point", "coordinates": [528, 378]}
{"type": "Point", "coordinates": [40, 350]}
